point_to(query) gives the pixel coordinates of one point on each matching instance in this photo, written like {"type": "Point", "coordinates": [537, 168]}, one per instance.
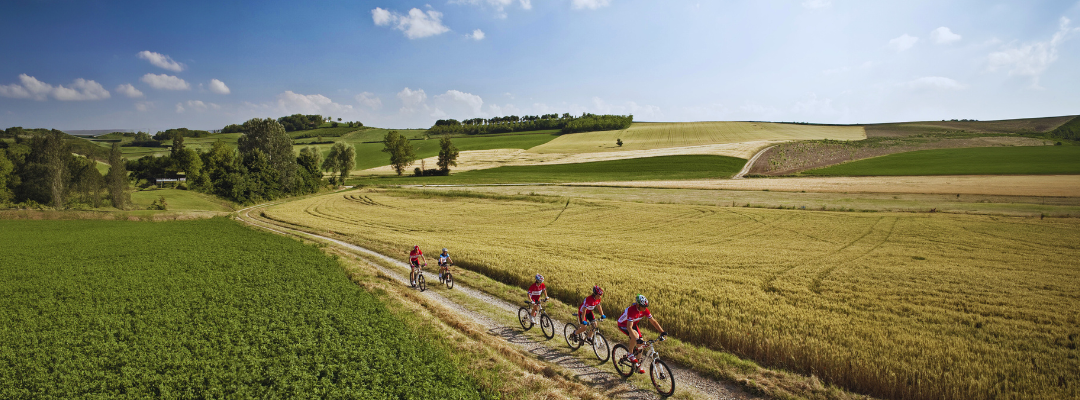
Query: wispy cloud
{"type": "Point", "coordinates": [412, 100]}
{"type": "Point", "coordinates": [589, 4]}
{"type": "Point", "coordinates": [369, 100]}
{"type": "Point", "coordinates": [944, 35]}
{"type": "Point", "coordinates": [219, 87]}
{"type": "Point", "coordinates": [416, 25]}
{"type": "Point", "coordinates": [128, 90]}
{"type": "Point", "coordinates": [31, 88]}
{"type": "Point", "coordinates": [291, 103]}
{"type": "Point", "coordinates": [165, 82]}
{"type": "Point", "coordinates": [1031, 59]}
{"type": "Point", "coordinates": [477, 35]}
{"type": "Point", "coordinates": [903, 42]}
{"type": "Point", "coordinates": [161, 61]}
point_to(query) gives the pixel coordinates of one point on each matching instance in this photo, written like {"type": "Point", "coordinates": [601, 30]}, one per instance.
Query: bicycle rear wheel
{"type": "Point", "coordinates": [449, 280]}
{"type": "Point", "coordinates": [571, 339]}
{"type": "Point", "coordinates": [421, 282]}
{"type": "Point", "coordinates": [618, 357]}
{"type": "Point", "coordinates": [546, 326]}
{"type": "Point", "coordinates": [524, 318]}
{"type": "Point", "coordinates": [600, 347]}
{"type": "Point", "coordinates": [662, 379]}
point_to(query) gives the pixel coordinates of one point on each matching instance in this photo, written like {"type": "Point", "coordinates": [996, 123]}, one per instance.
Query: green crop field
{"type": "Point", "coordinates": [652, 135]}
{"type": "Point", "coordinates": [180, 200]}
{"type": "Point", "coordinates": [1039, 160]}
{"type": "Point", "coordinates": [895, 305]}
{"type": "Point", "coordinates": [199, 309]}
{"type": "Point", "coordinates": [369, 147]}
{"type": "Point", "coordinates": [634, 169]}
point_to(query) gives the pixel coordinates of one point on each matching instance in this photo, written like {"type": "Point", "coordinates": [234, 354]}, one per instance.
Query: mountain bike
{"type": "Point", "coordinates": [598, 342]}
{"type": "Point", "coordinates": [525, 318]}
{"type": "Point", "coordinates": [447, 277]}
{"type": "Point", "coordinates": [420, 282]}
{"type": "Point", "coordinates": [661, 376]}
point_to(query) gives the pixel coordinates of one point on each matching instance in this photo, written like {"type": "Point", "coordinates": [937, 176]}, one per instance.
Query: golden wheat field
{"type": "Point", "coordinates": [895, 305]}
{"type": "Point", "coordinates": [661, 135]}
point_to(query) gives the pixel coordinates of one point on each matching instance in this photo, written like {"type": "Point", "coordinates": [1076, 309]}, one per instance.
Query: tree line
{"type": "Point", "coordinates": [513, 123]}
{"type": "Point", "coordinates": [41, 168]}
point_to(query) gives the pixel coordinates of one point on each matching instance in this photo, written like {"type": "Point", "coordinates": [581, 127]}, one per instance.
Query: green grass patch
{"type": "Point", "coordinates": [369, 147]}
{"type": "Point", "coordinates": [1038, 160]}
{"type": "Point", "coordinates": [636, 169]}
{"type": "Point", "coordinates": [180, 200]}
{"type": "Point", "coordinates": [199, 309]}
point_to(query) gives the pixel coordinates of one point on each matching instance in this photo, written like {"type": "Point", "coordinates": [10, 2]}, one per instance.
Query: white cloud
{"type": "Point", "coordinates": [219, 87]}
{"type": "Point", "coordinates": [933, 82]}
{"type": "Point", "coordinates": [1031, 59]}
{"type": "Point", "coordinates": [142, 106]}
{"type": "Point", "coordinates": [589, 4]}
{"type": "Point", "coordinates": [179, 108]}
{"type": "Point", "coordinates": [477, 35]}
{"type": "Point", "coordinates": [459, 105]}
{"type": "Point", "coordinates": [369, 100]}
{"type": "Point", "coordinates": [165, 82]}
{"type": "Point", "coordinates": [129, 91]}
{"type": "Point", "coordinates": [293, 103]}
{"type": "Point", "coordinates": [412, 100]}
{"type": "Point", "coordinates": [903, 42]}
{"type": "Point", "coordinates": [498, 5]}
{"type": "Point", "coordinates": [812, 4]}
{"type": "Point", "coordinates": [31, 88]}
{"type": "Point", "coordinates": [417, 24]}
{"type": "Point", "coordinates": [81, 89]}
{"type": "Point", "coordinates": [526, 4]}
{"type": "Point", "coordinates": [161, 61]}
{"type": "Point", "coordinates": [944, 35]}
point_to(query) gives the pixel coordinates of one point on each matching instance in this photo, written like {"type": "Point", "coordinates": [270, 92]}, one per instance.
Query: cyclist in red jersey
{"type": "Point", "coordinates": [628, 324]}
{"type": "Point", "coordinates": [585, 310]}
{"type": "Point", "coordinates": [415, 256]}
{"type": "Point", "coordinates": [535, 291]}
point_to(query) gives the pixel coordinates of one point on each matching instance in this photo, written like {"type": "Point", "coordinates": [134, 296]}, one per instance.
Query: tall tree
{"type": "Point", "coordinates": [7, 171]}
{"type": "Point", "coordinates": [309, 170]}
{"type": "Point", "coordinates": [117, 178]}
{"type": "Point", "coordinates": [402, 154]}
{"type": "Point", "coordinates": [448, 154]}
{"type": "Point", "coordinates": [268, 137]}
{"type": "Point", "coordinates": [339, 162]}
{"type": "Point", "coordinates": [52, 154]}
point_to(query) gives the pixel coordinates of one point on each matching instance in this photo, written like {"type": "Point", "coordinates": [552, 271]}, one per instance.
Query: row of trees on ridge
{"type": "Point", "coordinates": [565, 123]}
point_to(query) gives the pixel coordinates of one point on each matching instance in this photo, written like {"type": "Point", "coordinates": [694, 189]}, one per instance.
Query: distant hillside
{"type": "Point", "coordinates": [94, 132]}
{"type": "Point", "coordinates": [1024, 125]}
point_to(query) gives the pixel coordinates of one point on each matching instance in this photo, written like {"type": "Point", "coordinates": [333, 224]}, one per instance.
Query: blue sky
{"type": "Point", "coordinates": [156, 65]}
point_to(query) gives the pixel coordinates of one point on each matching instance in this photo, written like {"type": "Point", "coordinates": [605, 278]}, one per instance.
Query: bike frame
{"type": "Point", "coordinates": [650, 354]}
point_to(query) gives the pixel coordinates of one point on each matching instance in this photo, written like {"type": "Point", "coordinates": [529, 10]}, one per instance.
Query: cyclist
{"type": "Point", "coordinates": [414, 260]}
{"type": "Point", "coordinates": [585, 310]}
{"type": "Point", "coordinates": [444, 262]}
{"type": "Point", "coordinates": [535, 291]}
{"type": "Point", "coordinates": [628, 324]}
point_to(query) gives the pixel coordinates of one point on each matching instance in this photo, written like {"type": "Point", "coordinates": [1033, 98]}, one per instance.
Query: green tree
{"type": "Point", "coordinates": [268, 137]}
{"type": "Point", "coordinates": [117, 179]}
{"type": "Point", "coordinates": [339, 162]}
{"type": "Point", "coordinates": [86, 182]}
{"type": "Point", "coordinates": [7, 172]}
{"type": "Point", "coordinates": [51, 154]}
{"type": "Point", "coordinates": [448, 154]}
{"type": "Point", "coordinates": [309, 169]}
{"type": "Point", "coordinates": [402, 154]}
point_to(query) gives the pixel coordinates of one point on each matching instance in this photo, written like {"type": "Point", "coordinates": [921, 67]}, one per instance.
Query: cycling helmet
{"type": "Point", "coordinates": [642, 301]}
{"type": "Point", "coordinates": [416, 247]}
{"type": "Point", "coordinates": [597, 291]}
{"type": "Point", "coordinates": [444, 250]}
{"type": "Point", "coordinates": [539, 278]}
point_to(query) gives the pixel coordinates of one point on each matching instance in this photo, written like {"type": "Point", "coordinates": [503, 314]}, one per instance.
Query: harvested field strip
{"type": "Point", "coordinates": [905, 306]}
{"type": "Point", "coordinates": [650, 135]}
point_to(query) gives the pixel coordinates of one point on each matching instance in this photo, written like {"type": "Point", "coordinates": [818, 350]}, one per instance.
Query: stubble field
{"type": "Point", "coordinates": [896, 305]}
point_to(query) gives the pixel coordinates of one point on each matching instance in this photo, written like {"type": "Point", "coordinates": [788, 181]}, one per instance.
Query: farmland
{"type": "Point", "coordinates": [650, 135]}
{"type": "Point", "coordinates": [670, 167]}
{"type": "Point", "coordinates": [135, 309]}
{"type": "Point", "coordinates": [180, 200]}
{"type": "Point", "coordinates": [1037, 160]}
{"type": "Point", "coordinates": [920, 306]}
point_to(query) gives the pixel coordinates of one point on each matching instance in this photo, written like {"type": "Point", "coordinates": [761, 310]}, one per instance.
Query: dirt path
{"type": "Point", "coordinates": [588, 369]}
{"type": "Point", "coordinates": [750, 164]}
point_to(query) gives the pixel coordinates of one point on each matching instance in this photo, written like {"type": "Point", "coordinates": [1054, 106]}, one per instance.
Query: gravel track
{"type": "Point", "coordinates": [588, 369]}
{"type": "Point", "coordinates": [750, 164]}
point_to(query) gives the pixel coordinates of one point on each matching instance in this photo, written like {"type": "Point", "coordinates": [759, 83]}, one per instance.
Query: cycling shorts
{"type": "Point", "coordinates": [589, 316]}
{"type": "Point", "coordinates": [622, 327]}
{"type": "Point", "coordinates": [535, 299]}
{"type": "Point", "coordinates": [415, 263]}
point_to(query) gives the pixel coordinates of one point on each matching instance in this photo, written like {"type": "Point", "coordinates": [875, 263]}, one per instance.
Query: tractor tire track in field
{"type": "Point", "coordinates": [588, 370]}
{"type": "Point", "coordinates": [834, 259]}
{"type": "Point", "coordinates": [560, 214]}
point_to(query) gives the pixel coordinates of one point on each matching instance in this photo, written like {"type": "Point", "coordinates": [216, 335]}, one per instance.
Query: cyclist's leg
{"type": "Point", "coordinates": [633, 333]}
{"type": "Point", "coordinates": [582, 317]}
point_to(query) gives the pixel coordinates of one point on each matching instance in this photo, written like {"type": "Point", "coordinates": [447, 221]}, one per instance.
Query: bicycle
{"type": "Point", "coordinates": [659, 372]}
{"type": "Point", "coordinates": [446, 277]}
{"type": "Point", "coordinates": [419, 282]}
{"type": "Point", "coordinates": [525, 318]}
{"type": "Point", "coordinates": [598, 341]}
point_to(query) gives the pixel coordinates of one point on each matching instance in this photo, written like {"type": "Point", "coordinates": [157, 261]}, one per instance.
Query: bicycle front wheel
{"type": "Point", "coordinates": [662, 379]}
{"type": "Point", "coordinates": [449, 281]}
{"type": "Point", "coordinates": [524, 318]}
{"type": "Point", "coordinates": [618, 357]}
{"type": "Point", "coordinates": [546, 326]}
{"type": "Point", "coordinates": [600, 347]}
{"type": "Point", "coordinates": [421, 282]}
{"type": "Point", "coordinates": [571, 339]}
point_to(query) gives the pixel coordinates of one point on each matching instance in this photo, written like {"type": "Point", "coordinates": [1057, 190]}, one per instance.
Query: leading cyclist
{"type": "Point", "coordinates": [535, 291]}
{"type": "Point", "coordinates": [414, 260]}
{"type": "Point", "coordinates": [628, 324]}
{"type": "Point", "coordinates": [585, 310]}
{"type": "Point", "coordinates": [444, 262]}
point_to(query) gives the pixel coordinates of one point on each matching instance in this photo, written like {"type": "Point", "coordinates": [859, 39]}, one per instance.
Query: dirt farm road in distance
{"type": "Point", "coordinates": [602, 376]}
{"type": "Point", "coordinates": [1002, 185]}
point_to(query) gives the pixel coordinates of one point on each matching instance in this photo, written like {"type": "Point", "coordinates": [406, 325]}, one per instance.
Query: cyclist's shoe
{"type": "Point", "coordinates": [641, 369]}
{"type": "Point", "coordinates": [631, 358]}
